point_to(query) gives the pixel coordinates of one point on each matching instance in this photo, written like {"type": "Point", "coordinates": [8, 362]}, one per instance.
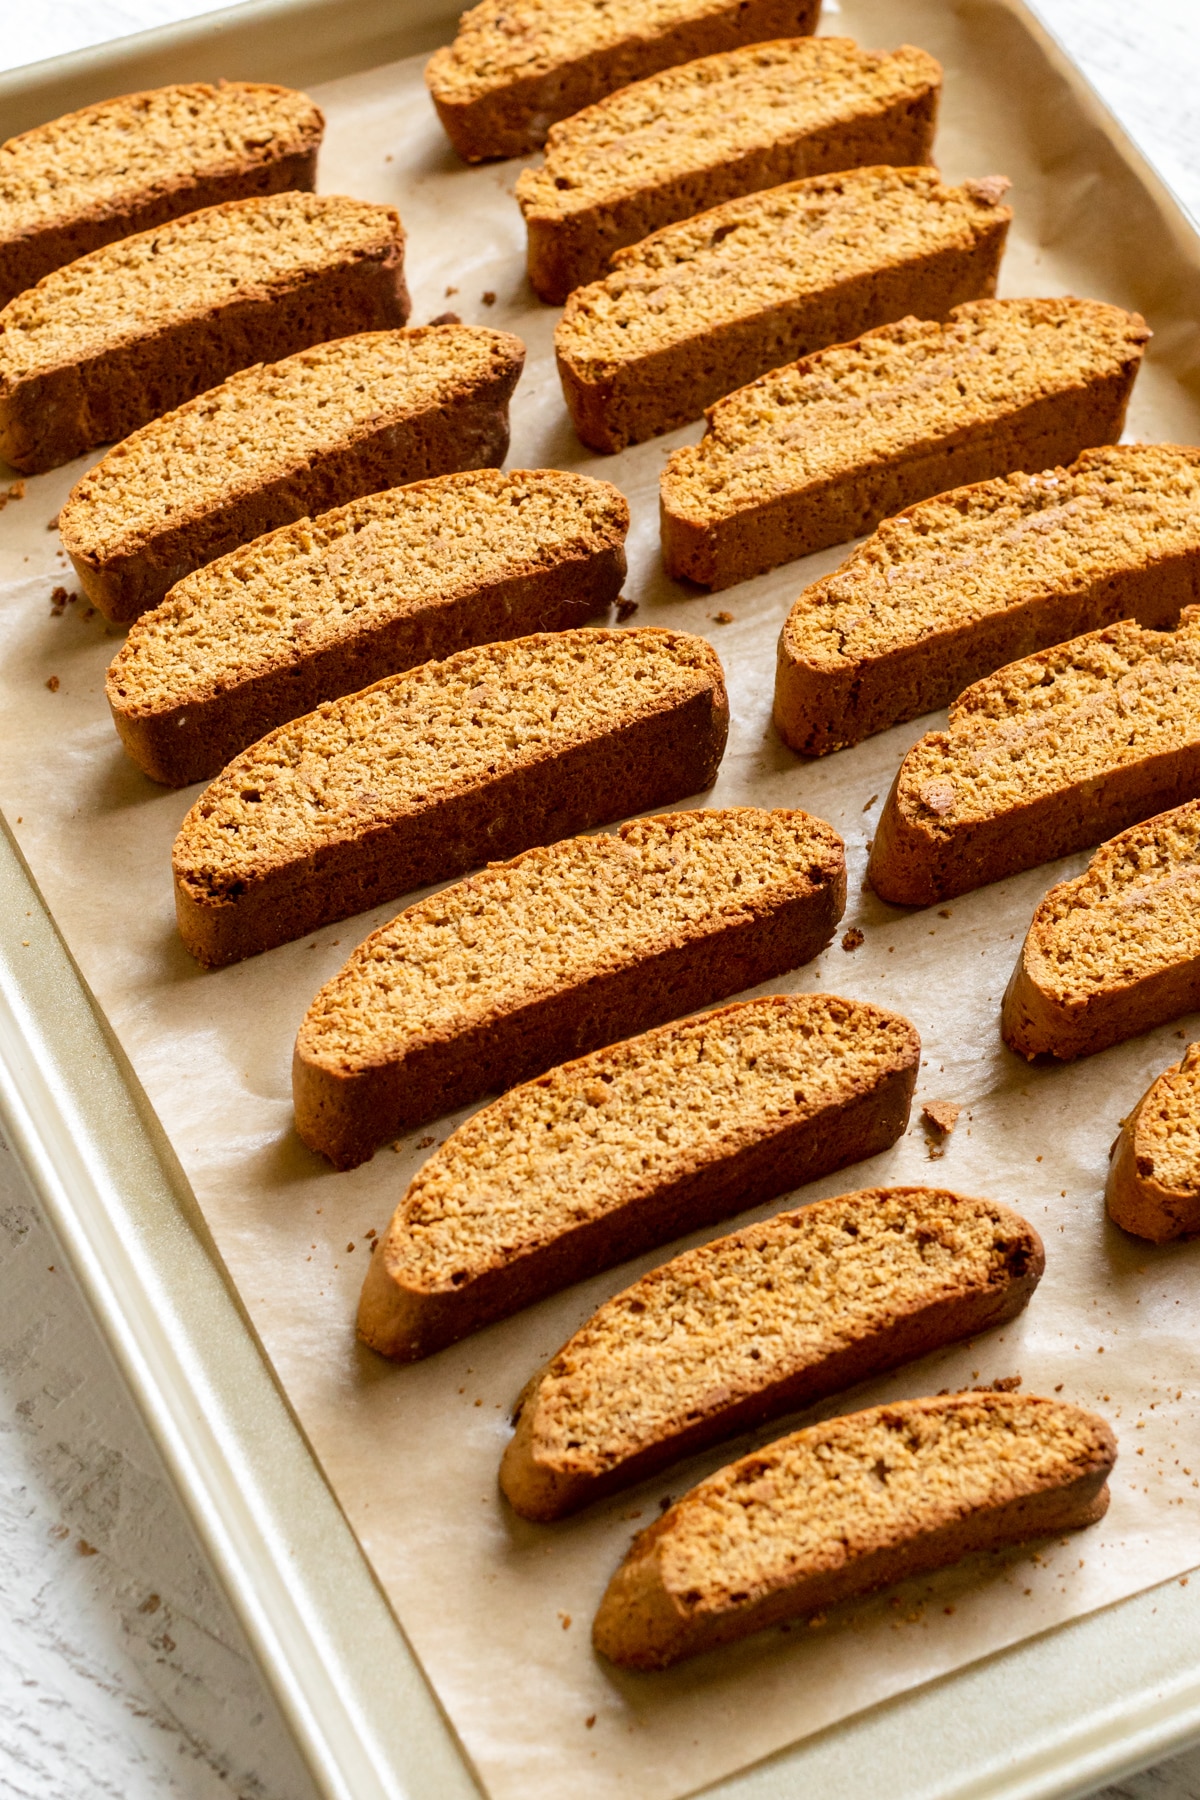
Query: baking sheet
{"type": "Point", "coordinates": [412, 1452]}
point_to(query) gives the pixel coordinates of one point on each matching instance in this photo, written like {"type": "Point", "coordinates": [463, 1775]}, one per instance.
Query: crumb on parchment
{"type": "Point", "coordinates": [853, 938]}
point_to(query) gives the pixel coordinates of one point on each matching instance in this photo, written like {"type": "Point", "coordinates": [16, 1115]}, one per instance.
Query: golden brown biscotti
{"type": "Point", "coordinates": [514, 68]}
{"type": "Point", "coordinates": [128, 164]}
{"type": "Point", "coordinates": [137, 328]}
{"type": "Point", "coordinates": [608, 1156]}
{"type": "Point", "coordinates": [1154, 1176]}
{"type": "Point", "coordinates": [821, 451]}
{"type": "Point", "coordinates": [329, 605]}
{"type": "Point", "coordinates": [274, 443]}
{"type": "Point", "coordinates": [693, 136]}
{"type": "Point", "coordinates": [556, 953]}
{"type": "Point", "coordinates": [435, 771]}
{"type": "Point", "coordinates": [1115, 951]}
{"type": "Point", "coordinates": [763, 1323]}
{"type": "Point", "coordinates": [839, 1509]}
{"type": "Point", "coordinates": [1047, 756]}
{"type": "Point", "coordinates": [701, 308]}
{"type": "Point", "coordinates": [976, 578]}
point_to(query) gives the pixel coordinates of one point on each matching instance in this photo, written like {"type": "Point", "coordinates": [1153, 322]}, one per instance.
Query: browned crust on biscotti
{"type": "Point", "coordinates": [269, 165]}
{"type": "Point", "coordinates": [568, 246]}
{"type": "Point", "coordinates": [467, 428]}
{"type": "Point", "coordinates": [1071, 997]}
{"type": "Point", "coordinates": [717, 548]}
{"type": "Point", "coordinates": [1138, 1199]}
{"type": "Point", "coordinates": [54, 410]}
{"type": "Point", "coordinates": [510, 115]}
{"type": "Point", "coordinates": [408, 1317]}
{"type": "Point", "coordinates": [345, 1109]}
{"type": "Point", "coordinates": [181, 723]}
{"type": "Point", "coordinates": [545, 1479]}
{"type": "Point", "coordinates": [616, 400]}
{"type": "Point", "coordinates": [923, 853]}
{"type": "Point", "coordinates": [648, 1621]}
{"type": "Point", "coordinates": [614, 763]}
{"type": "Point", "coordinates": [826, 702]}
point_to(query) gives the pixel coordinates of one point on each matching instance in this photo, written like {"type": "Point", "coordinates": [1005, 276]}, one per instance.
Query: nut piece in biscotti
{"type": "Point", "coordinates": [1116, 951]}
{"type": "Point", "coordinates": [1048, 755]}
{"type": "Point", "coordinates": [857, 1503]}
{"type": "Point", "coordinates": [705, 132]}
{"type": "Point", "coordinates": [137, 328]}
{"type": "Point", "coordinates": [1154, 1176]}
{"type": "Point", "coordinates": [819, 452]}
{"type": "Point", "coordinates": [516, 66]}
{"type": "Point", "coordinates": [327, 606]}
{"type": "Point", "coordinates": [435, 771]}
{"type": "Point", "coordinates": [706, 306]}
{"type": "Point", "coordinates": [617, 1152]}
{"type": "Point", "coordinates": [128, 164]}
{"type": "Point", "coordinates": [760, 1324]}
{"type": "Point", "coordinates": [969, 581]}
{"type": "Point", "coordinates": [271, 444]}
{"type": "Point", "coordinates": [564, 949]}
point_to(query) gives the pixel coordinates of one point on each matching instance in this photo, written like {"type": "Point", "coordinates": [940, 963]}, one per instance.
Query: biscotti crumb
{"type": "Point", "coordinates": [722, 618]}
{"type": "Point", "coordinates": [52, 682]}
{"type": "Point", "coordinates": [52, 524]}
{"type": "Point", "coordinates": [446, 318]}
{"type": "Point", "coordinates": [941, 1114]}
{"type": "Point", "coordinates": [489, 298]}
{"type": "Point", "coordinates": [853, 938]}
{"type": "Point", "coordinates": [1006, 1384]}
{"type": "Point", "coordinates": [625, 610]}
{"type": "Point", "coordinates": [449, 292]}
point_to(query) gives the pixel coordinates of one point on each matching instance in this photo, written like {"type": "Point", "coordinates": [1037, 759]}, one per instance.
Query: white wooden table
{"type": "Point", "coordinates": [122, 1672]}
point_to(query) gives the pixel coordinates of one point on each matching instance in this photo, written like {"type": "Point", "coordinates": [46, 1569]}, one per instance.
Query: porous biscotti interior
{"type": "Point", "coordinates": [1134, 912]}
{"type": "Point", "coordinates": [766, 250]}
{"type": "Point", "coordinates": [1168, 1128]}
{"type": "Point", "coordinates": [420, 739]}
{"type": "Point", "coordinates": [1108, 700]}
{"type": "Point", "coordinates": [976, 551]}
{"type": "Point", "coordinates": [122, 150]}
{"type": "Point", "coordinates": [266, 421]}
{"type": "Point", "coordinates": [747, 1310]}
{"type": "Point", "coordinates": [306, 588]}
{"type": "Point", "coordinates": [521, 931]}
{"type": "Point", "coordinates": [892, 390]}
{"type": "Point", "coordinates": [713, 111]}
{"type": "Point", "coordinates": [596, 1134]}
{"type": "Point", "coordinates": [186, 269]}
{"type": "Point", "coordinates": [500, 42]}
{"type": "Point", "coordinates": [871, 1479]}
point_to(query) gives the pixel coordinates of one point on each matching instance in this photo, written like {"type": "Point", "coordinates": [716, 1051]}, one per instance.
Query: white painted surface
{"type": "Point", "coordinates": [122, 1672]}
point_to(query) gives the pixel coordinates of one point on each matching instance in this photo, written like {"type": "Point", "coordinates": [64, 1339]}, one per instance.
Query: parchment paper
{"type": "Point", "coordinates": [498, 1610]}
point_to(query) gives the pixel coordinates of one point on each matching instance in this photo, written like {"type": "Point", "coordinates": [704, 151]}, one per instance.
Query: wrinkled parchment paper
{"type": "Point", "coordinates": [499, 1610]}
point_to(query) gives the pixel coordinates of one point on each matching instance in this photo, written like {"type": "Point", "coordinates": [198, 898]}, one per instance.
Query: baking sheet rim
{"type": "Point", "coordinates": [353, 1695]}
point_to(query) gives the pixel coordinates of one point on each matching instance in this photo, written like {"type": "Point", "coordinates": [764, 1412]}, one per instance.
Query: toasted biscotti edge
{"type": "Point", "coordinates": [642, 1624]}
{"type": "Point", "coordinates": [544, 1490]}
{"type": "Point", "coordinates": [512, 119]}
{"type": "Point", "coordinates": [464, 432]}
{"type": "Point", "coordinates": [193, 737]}
{"type": "Point", "coordinates": [407, 1323]}
{"type": "Point", "coordinates": [662, 757]}
{"type": "Point", "coordinates": [25, 259]}
{"type": "Point", "coordinates": [672, 386]}
{"type": "Point", "coordinates": [345, 1113]}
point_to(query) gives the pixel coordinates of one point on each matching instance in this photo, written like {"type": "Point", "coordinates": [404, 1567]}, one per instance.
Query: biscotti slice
{"type": "Point", "coordinates": [432, 772]}
{"type": "Point", "coordinates": [329, 605]}
{"type": "Point", "coordinates": [1049, 755]}
{"type": "Point", "coordinates": [1115, 951]}
{"type": "Point", "coordinates": [564, 949]}
{"type": "Point", "coordinates": [673, 145]}
{"type": "Point", "coordinates": [763, 1323]}
{"type": "Point", "coordinates": [701, 308]}
{"type": "Point", "coordinates": [274, 443]}
{"type": "Point", "coordinates": [853, 1504]}
{"type": "Point", "coordinates": [1154, 1176]}
{"type": "Point", "coordinates": [821, 451]}
{"type": "Point", "coordinates": [978, 577]}
{"type": "Point", "coordinates": [137, 328]}
{"type": "Point", "coordinates": [512, 70]}
{"type": "Point", "coordinates": [619, 1151]}
{"type": "Point", "coordinates": [125, 165]}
